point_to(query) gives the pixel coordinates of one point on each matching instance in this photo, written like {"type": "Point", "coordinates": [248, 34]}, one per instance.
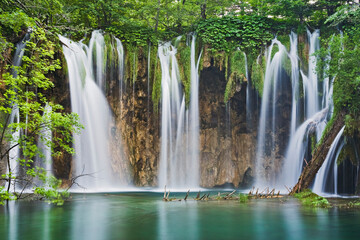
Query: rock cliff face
{"type": "Point", "coordinates": [228, 146]}
{"type": "Point", "coordinates": [137, 126]}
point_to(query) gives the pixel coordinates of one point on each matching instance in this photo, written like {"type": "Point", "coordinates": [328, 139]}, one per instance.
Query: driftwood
{"type": "Point", "coordinates": [229, 195]}
{"type": "Point", "coordinates": [308, 174]}
{"type": "Point", "coordinates": [266, 193]}
{"type": "Point", "coordinates": [166, 195]}
{"type": "Point", "coordinates": [187, 195]}
{"type": "Point", "coordinates": [262, 194]}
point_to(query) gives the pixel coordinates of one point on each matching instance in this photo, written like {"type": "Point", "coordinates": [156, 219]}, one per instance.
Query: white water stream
{"type": "Point", "coordinates": [179, 153]}
{"type": "Point", "coordinates": [87, 84]}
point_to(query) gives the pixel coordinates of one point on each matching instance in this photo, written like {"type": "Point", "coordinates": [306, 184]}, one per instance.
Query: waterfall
{"type": "Point", "coordinates": [267, 142]}
{"type": "Point", "coordinates": [14, 153]}
{"type": "Point", "coordinates": [194, 122]}
{"type": "Point", "coordinates": [310, 82]}
{"type": "Point", "coordinates": [294, 159]}
{"type": "Point", "coordinates": [179, 150]}
{"type": "Point", "coordinates": [317, 109]}
{"type": "Point", "coordinates": [249, 96]}
{"type": "Point", "coordinates": [120, 52]}
{"type": "Point", "coordinates": [316, 117]}
{"type": "Point", "coordinates": [295, 117]}
{"type": "Point", "coordinates": [45, 161]}
{"type": "Point", "coordinates": [324, 174]}
{"type": "Point", "coordinates": [86, 77]}
{"type": "Point", "coordinates": [96, 52]}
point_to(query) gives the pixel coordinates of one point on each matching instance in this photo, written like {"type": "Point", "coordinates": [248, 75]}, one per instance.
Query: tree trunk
{"type": "Point", "coordinates": [308, 174]}
{"type": "Point", "coordinates": [203, 10]}
{"type": "Point", "coordinates": [157, 16]}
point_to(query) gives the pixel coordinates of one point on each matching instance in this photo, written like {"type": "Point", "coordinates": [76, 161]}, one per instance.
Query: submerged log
{"type": "Point", "coordinates": [308, 174]}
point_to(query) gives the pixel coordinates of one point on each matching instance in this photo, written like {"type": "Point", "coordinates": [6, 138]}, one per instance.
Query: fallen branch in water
{"type": "Point", "coordinates": [266, 193]}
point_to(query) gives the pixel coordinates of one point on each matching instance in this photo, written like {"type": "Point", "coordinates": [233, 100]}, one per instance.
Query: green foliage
{"type": "Point", "coordinates": [343, 65]}
{"type": "Point", "coordinates": [228, 33]}
{"type": "Point", "coordinates": [15, 21]}
{"type": "Point", "coordinates": [310, 199]}
{"type": "Point", "coordinates": [50, 187]}
{"type": "Point", "coordinates": [347, 14]}
{"type": "Point", "coordinates": [294, 9]}
{"type": "Point", "coordinates": [243, 198]}
{"type": "Point", "coordinates": [5, 195]}
{"type": "Point", "coordinates": [29, 91]}
{"type": "Point", "coordinates": [135, 35]}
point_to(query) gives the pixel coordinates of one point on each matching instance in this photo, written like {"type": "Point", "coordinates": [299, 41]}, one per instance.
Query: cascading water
{"type": "Point", "coordinates": [315, 114]}
{"type": "Point", "coordinates": [179, 156]}
{"type": "Point", "coordinates": [267, 141]}
{"type": "Point", "coordinates": [310, 82]}
{"type": "Point", "coordinates": [120, 52]}
{"type": "Point", "coordinates": [194, 121]}
{"type": "Point", "coordinates": [249, 96]}
{"type": "Point", "coordinates": [45, 161]}
{"type": "Point", "coordinates": [88, 101]}
{"type": "Point", "coordinates": [298, 144]}
{"type": "Point", "coordinates": [316, 118]}
{"type": "Point", "coordinates": [95, 53]}
{"type": "Point", "coordinates": [293, 55]}
{"type": "Point", "coordinates": [14, 153]}
{"type": "Point", "coordinates": [324, 176]}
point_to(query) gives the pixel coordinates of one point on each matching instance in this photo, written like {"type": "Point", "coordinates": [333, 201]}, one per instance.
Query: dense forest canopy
{"type": "Point", "coordinates": [141, 21]}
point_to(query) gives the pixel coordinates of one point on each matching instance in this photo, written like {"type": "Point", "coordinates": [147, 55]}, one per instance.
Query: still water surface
{"type": "Point", "coordinates": [146, 216]}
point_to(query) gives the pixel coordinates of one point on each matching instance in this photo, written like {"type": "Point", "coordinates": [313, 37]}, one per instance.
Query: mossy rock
{"type": "Point", "coordinates": [310, 199]}
{"type": "Point", "coordinates": [258, 69]}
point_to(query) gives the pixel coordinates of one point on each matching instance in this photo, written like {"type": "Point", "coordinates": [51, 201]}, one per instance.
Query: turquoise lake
{"type": "Point", "coordinates": [146, 216]}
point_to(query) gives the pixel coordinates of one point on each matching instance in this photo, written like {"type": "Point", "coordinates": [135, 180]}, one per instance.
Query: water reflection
{"type": "Point", "coordinates": [12, 215]}
{"type": "Point", "coordinates": [178, 220]}
{"type": "Point", "coordinates": [146, 216]}
{"type": "Point", "coordinates": [88, 218]}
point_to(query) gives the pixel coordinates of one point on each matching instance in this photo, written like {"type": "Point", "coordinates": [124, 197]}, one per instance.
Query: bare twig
{"type": "Point", "coordinates": [198, 195]}
{"type": "Point", "coordinates": [187, 194]}
{"type": "Point", "coordinates": [287, 188]}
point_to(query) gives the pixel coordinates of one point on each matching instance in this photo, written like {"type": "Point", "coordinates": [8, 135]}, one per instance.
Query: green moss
{"type": "Point", "coordinates": [135, 66]}
{"type": "Point", "coordinates": [310, 199]}
{"type": "Point", "coordinates": [226, 64]}
{"type": "Point", "coordinates": [352, 205]}
{"type": "Point", "coordinates": [313, 142]}
{"type": "Point", "coordinates": [258, 68]}
{"type": "Point", "coordinates": [236, 71]}
{"type": "Point", "coordinates": [326, 130]}
{"type": "Point", "coordinates": [156, 89]}
{"type": "Point", "coordinates": [285, 40]}
{"type": "Point", "coordinates": [303, 56]}
{"type": "Point", "coordinates": [184, 56]}
{"type": "Point", "coordinates": [131, 64]}
{"type": "Point", "coordinates": [351, 147]}
{"type": "Point", "coordinates": [108, 49]}
{"type": "Point", "coordinates": [243, 198]}
{"type": "Point", "coordinates": [274, 50]}
{"type": "Point", "coordinates": [286, 64]}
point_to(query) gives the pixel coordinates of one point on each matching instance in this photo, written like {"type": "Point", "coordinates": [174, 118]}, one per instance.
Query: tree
{"type": "Point", "coordinates": [26, 95]}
